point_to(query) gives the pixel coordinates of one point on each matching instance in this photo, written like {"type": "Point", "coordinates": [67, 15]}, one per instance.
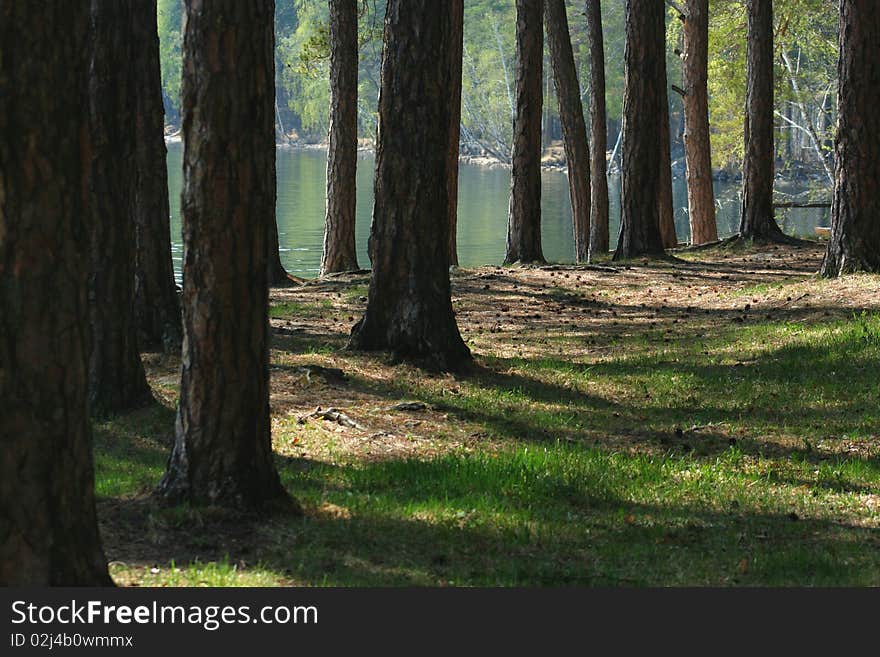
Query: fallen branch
{"type": "Point", "coordinates": [332, 415]}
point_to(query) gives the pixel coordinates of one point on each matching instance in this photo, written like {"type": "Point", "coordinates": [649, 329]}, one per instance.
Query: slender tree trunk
{"type": "Point", "coordinates": [156, 305]}
{"type": "Point", "coordinates": [574, 130]}
{"type": "Point", "coordinates": [855, 213]}
{"type": "Point", "coordinates": [599, 238]}
{"type": "Point", "coordinates": [116, 374]}
{"type": "Point", "coordinates": [223, 450]}
{"type": "Point", "coordinates": [524, 216]}
{"type": "Point", "coordinates": [757, 222]}
{"type": "Point", "coordinates": [697, 146]}
{"type": "Point", "coordinates": [666, 211]}
{"type": "Point", "coordinates": [644, 84]}
{"type": "Point", "coordinates": [48, 528]}
{"type": "Point", "coordinates": [409, 311]}
{"type": "Point", "coordinates": [340, 251]}
{"type": "Point", "coordinates": [455, 61]}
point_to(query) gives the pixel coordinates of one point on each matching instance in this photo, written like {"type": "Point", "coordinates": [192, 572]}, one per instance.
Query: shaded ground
{"type": "Point", "coordinates": [711, 420]}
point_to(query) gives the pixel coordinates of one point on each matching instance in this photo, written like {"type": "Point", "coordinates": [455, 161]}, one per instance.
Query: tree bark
{"type": "Point", "coordinates": [340, 250]}
{"type": "Point", "coordinates": [855, 214]}
{"type": "Point", "coordinates": [455, 61]}
{"type": "Point", "coordinates": [574, 130]}
{"type": "Point", "coordinates": [48, 528]}
{"type": "Point", "coordinates": [524, 216]}
{"type": "Point", "coordinates": [697, 146]}
{"type": "Point", "coordinates": [116, 375]}
{"type": "Point", "coordinates": [599, 237]}
{"type": "Point", "coordinates": [156, 304]}
{"type": "Point", "coordinates": [223, 450]}
{"type": "Point", "coordinates": [409, 311]}
{"type": "Point", "coordinates": [644, 83]}
{"type": "Point", "coordinates": [757, 222]}
{"type": "Point", "coordinates": [666, 210]}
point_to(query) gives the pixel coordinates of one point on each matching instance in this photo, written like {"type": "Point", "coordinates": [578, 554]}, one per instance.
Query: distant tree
{"type": "Point", "coordinates": [644, 86]}
{"type": "Point", "coordinates": [855, 214]}
{"type": "Point", "coordinates": [571, 115]}
{"type": "Point", "coordinates": [409, 311]}
{"type": "Point", "coordinates": [223, 449]}
{"type": "Point", "coordinates": [698, 157]}
{"type": "Point", "coordinates": [757, 222]}
{"type": "Point", "coordinates": [599, 238]}
{"type": "Point", "coordinates": [665, 210]}
{"type": "Point", "coordinates": [524, 216]}
{"type": "Point", "coordinates": [454, 145]}
{"type": "Point", "coordinates": [116, 375]}
{"type": "Point", "coordinates": [156, 305]}
{"type": "Point", "coordinates": [48, 527]}
{"type": "Point", "coordinates": [340, 251]}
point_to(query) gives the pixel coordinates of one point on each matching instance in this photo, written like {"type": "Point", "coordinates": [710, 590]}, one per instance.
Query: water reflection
{"type": "Point", "coordinates": [482, 222]}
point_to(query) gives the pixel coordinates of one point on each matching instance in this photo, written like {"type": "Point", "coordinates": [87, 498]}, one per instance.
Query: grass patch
{"type": "Point", "coordinates": [705, 452]}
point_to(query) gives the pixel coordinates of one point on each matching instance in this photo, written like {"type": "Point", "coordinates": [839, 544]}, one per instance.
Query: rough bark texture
{"type": "Point", "coordinates": [697, 148]}
{"type": "Point", "coordinates": [599, 237]}
{"type": "Point", "coordinates": [48, 528]}
{"type": "Point", "coordinates": [409, 311]}
{"type": "Point", "coordinates": [340, 252]}
{"type": "Point", "coordinates": [455, 62]}
{"type": "Point", "coordinates": [223, 451]}
{"type": "Point", "coordinates": [644, 82]}
{"type": "Point", "coordinates": [666, 211]}
{"type": "Point", "coordinates": [574, 130]}
{"type": "Point", "coordinates": [524, 216]}
{"type": "Point", "coordinates": [156, 304]}
{"type": "Point", "coordinates": [855, 213]}
{"type": "Point", "coordinates": [116, 374]}
{"type": "Point", "coordinates": [757, 222]}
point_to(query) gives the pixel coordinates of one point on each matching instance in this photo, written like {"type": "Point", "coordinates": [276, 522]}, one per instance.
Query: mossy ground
{"type": "Point", "coordinates": [713, 420]}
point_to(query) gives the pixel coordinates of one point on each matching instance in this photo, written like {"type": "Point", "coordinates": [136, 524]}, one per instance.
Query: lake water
{"type": "Point", "coordinates": [482, 211]}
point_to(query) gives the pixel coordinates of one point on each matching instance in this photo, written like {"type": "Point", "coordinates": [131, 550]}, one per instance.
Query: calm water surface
{"type": "Point", "coordinates": [482, 211]}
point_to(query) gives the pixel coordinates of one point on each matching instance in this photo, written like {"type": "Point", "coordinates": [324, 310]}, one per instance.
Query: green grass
{"type": "Point", "coordinates": [774, 478]}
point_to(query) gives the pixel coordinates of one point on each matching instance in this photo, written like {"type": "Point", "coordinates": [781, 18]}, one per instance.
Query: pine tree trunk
{"type": "Point", "coordinates": [644, 83]}
{"type": "Point", "coordinates": [524, 216]}
{"type": "Point", "coordinates": [599, 237]}
{"type": "Point", "coordinates": [757, 222]}
{"type": "Point", "coordinates": [340, 251]}
{"type": "Point", "coordinates": [156, 305]}
{"type": "Point", "coordinates": [855, 213]}
{"type": "Point", "coordinates": [116, 374]}
{"type": "Point", "coordinates": [455, 59]}
{"type": "Point", "coordinates": [666, 211]}
{"type": "Point", "coordinates": [697, 146]}
{"type": "Point", "coordinates": [48, 528]}
{"type": "Point", "coordinates": [409, 311]}
{"type": "Point", "coordinates": [223, 451]}
{"type": "Point", "coordinates": [574, 130]}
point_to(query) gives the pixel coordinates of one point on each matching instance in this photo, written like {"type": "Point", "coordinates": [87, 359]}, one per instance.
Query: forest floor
{"type": "Point", "coordinates": [713, 420]}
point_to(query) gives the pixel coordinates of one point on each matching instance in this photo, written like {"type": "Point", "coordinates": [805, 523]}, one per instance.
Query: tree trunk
{"type": "Point", "coordinates": [697, 147]}
{"type": "Point", "coordinates": [524, 216]}
{"type": "Point", "coordinates": [599, 238]}
{"type": "Point", "coordinates": [666, 210]}
{"type": "Point", "coordinates": [644, 84]}
{"type": "Point", "coordinates": [116, 374]}
{"type": "Point", "coordinates": [855, 214]}
{"type": "Point", "coordinates": [455, 61]}
{"type": "Point", "coordinates": [410, 309]}
{"type": "Point", "coordinates": [571, 115]}
{"type": "Point", "coordinates": [757, 222]}
{"type": "Point", "coordinates": [340, 251]}
{"type": "Point", "coordinates": [223, 450]}
{"type": "Point", "coordinates": [156, 305]}
{"type": "Point", "coordinates": [48, 528]}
